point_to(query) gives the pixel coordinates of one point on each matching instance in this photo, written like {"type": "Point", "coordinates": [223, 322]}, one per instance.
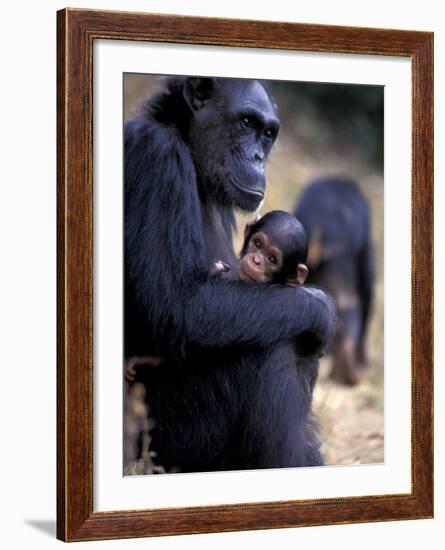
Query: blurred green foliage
{"type": "Point", "coordinates": [348, 116]}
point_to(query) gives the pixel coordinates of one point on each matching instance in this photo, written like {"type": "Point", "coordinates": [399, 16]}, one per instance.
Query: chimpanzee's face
{"type": "Point", "coordinates": [232, 131]}
{"type": "Point", "coordinates": [262, 260]}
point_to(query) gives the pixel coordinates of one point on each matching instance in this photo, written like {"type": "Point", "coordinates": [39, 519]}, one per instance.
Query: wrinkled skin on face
{"type": "Point", "coordinates": [261, 261]}
{"type": "Point", "coordinates": [274, 250]}
{"type": "Point", "coordinates": [231, 133]}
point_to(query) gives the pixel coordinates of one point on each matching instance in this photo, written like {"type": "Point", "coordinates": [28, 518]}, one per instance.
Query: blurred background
{"type": "Point", "coordinates": [326, 130]}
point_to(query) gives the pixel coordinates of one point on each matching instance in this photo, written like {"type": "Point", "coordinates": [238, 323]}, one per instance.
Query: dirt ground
{"type": "Point", "coordinates": [350, 420]}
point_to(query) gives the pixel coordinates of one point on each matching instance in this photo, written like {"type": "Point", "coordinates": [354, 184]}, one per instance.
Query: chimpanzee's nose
{"type": "Point", "coordinates": [256, 260]}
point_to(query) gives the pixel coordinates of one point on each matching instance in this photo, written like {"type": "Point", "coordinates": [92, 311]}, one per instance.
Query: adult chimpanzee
{"type": "Point", "coordinates": [336, 217]}
{"type": "Point", "coordinates": [227, 394]}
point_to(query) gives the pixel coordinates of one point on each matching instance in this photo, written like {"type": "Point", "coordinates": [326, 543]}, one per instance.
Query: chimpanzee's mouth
{"type": "Point", "coordinates": [251, 279]}
{"type": "Point", "coordinates": [248, 190]}
{"type": "Point", "coordinates": [245, 274]}
{"type": "Point", "coordinates": [251, 183]}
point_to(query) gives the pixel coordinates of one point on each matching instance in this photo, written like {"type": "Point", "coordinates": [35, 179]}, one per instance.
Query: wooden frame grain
{"type": "Point", "coordinates": [76, 32]}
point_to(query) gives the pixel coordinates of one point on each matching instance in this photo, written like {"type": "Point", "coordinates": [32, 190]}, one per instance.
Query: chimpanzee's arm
{"type": "Point", "coordinates": [226, 313]}
{"type": "Point", "coordinates": [165, 261]}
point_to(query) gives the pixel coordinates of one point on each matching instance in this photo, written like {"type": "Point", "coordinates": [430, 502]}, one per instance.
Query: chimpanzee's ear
{"type": "Point", "coordinates": [197, 91]}
{"type": "Point", "coordinates": [299, 276]}
{"type": "Point", "coordinates": [249, 226]}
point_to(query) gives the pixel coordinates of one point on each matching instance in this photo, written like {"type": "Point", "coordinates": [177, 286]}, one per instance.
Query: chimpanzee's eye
{"type": "Point", "coordinates": [272, 260]}
{"type": "Point", "coordinates": [269, 134]}
{"type": "Point", "coordinates": [257, 243]}
{"type": "Point", "coordinates": [248, 122]}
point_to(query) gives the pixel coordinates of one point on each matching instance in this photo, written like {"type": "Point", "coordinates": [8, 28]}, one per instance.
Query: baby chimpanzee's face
{"type": "Point", "coordinates": [262, 260]}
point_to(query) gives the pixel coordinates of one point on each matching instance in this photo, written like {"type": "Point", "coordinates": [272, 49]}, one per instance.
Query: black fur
{"type": "Point", "coordinates": [334, 212]}
{"type": "Point", "coordinates": [228, 394]}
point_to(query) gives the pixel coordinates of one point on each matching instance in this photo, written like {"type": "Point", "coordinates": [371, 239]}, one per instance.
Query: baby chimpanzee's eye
{"type": "Point", "coordinates": [257, 243]}
{"type": "Point", "coordinates": [272, 260]}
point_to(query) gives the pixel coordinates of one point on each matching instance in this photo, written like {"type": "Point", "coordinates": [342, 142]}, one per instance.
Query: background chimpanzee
{"type": "Point", "coordinates": [227, 394]}
{"type": "Point", "coordinates": [336, 217]}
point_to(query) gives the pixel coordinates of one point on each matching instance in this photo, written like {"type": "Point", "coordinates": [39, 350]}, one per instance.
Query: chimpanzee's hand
{"type": "Point", "coordinates": [316, 342]}
{"type": "Point", "coordinates": [132, 363]}
{"type": "Point", "coordinates": [321, 295]}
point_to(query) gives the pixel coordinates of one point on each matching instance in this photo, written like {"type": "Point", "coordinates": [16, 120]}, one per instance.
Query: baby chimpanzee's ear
{"type": "Point", "coordinates": [299, 276]}
{"type": "Point", "coordinates": [249, 226]}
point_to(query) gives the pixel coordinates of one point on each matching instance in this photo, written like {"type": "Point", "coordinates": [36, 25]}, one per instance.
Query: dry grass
{"type": "Point", "coordinates": [351, 419]}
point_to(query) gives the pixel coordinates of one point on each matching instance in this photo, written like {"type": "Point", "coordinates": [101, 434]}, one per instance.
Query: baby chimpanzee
{"type": "Point", "coordinates": [274, 251]}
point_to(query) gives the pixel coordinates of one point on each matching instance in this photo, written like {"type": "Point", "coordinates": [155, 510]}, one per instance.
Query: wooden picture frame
{"type": "Point", "coordinates": [76, 32]}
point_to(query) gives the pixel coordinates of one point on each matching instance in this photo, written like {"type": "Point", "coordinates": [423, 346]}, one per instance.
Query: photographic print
{"type": "Point", "coordinates": [244, 219]}
{"type": "Point", "coordinates": [253, 254]}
